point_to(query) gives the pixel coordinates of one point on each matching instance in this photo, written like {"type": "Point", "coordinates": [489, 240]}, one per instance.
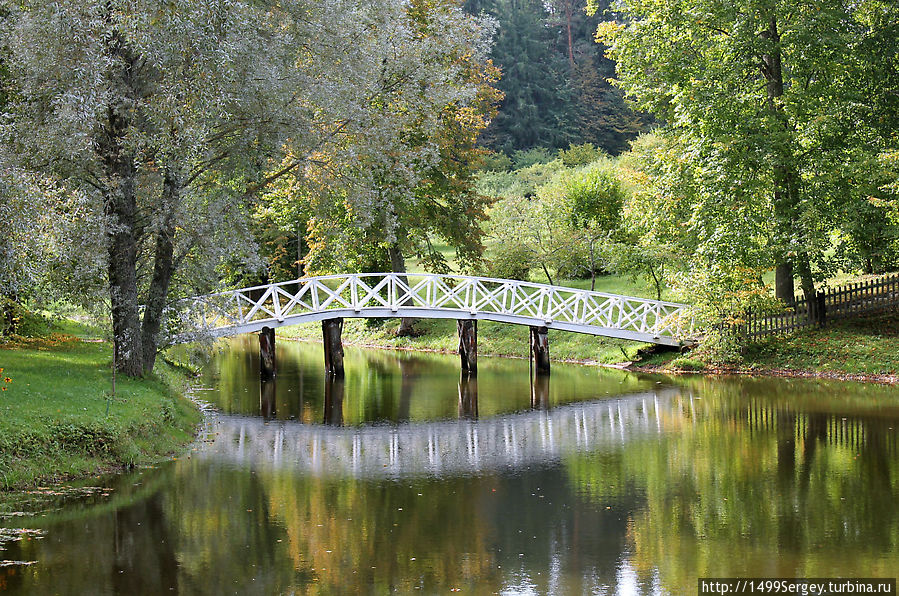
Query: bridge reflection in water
{"type": "Point", "coordinates": [536, 437]}
{"type": "Point", "coordinates": [456, 447]}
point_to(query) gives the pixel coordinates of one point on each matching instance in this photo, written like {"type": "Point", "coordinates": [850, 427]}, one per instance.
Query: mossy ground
{"type": "Point", "coordinates": [59, 418]}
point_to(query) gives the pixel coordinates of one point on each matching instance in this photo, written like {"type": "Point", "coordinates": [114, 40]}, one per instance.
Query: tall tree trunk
{"type": "Point", "coordinates": [398, 264]}
{"type": "Point", "coordinates": [806, 280]}
{"type": "Point", "coordinates": [786, 195]}
{"type": "Point", "coordinates": [121, 242]}
{"type": "Point", "coordinates": [163, 267]}
{"type": "Point", "coordinates": [120, 207]}
{"type": "Point", "coordinates": [568, 24]}
{"type": "Point", "coordinates": [783, 283]}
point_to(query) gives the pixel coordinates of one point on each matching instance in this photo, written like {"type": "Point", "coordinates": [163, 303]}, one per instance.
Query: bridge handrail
{"type": "Point", "coordinates": [529, 284]}
{"type": "Point", "coordinates": [433, 295]}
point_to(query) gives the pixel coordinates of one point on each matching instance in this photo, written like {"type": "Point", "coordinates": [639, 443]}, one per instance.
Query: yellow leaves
{"type": "Point", "coordinates": [607, 32]}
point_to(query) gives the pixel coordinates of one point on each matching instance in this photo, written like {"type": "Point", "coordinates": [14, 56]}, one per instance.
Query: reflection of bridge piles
{"type": "Point", "coordinates": [444, 448]}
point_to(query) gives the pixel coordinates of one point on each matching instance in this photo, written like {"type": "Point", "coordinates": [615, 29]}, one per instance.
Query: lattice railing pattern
{"type": "Point", "coordinates": [429, 296]}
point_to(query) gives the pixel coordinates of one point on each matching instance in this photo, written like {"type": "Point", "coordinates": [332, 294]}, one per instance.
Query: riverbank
{"type": "Point", "coordinates": [494, 339]}
{"type": "Point", "coordinates": [864, 349]}
{"type": "Point", "coordinates": [61, 420]}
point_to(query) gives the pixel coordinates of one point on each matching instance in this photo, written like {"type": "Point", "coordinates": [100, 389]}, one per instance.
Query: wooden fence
{"type": "Point", "coordinates": [831, 304]}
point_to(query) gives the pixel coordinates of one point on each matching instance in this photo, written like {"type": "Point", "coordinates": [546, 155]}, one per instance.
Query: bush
{"type": "Point", "coordinates": [720, 295]}
{"type": "Point", "coordinates": [499, 184]}
{"type": "Point", "coordinates": [18, 320]}
{"type": "Point", "coordinates": [580, 155]}
{"type": "Point", "coordinates": [496, 162]}
{"type": "Point", "coordinates": [510, 262]}
{"type": "Point", "coordinates": [537, 155]}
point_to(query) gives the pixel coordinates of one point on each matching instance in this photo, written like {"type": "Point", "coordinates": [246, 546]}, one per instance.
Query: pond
{"type": "Point", "coordinates": [407, 478]}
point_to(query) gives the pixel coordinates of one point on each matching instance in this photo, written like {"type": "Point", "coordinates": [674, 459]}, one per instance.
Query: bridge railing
{"type": "Point", "coordinates": [427, 295]}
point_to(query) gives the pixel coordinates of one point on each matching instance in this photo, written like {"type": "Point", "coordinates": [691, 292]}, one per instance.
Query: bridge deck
{"type": "Point", "coordinates": [385, 295]}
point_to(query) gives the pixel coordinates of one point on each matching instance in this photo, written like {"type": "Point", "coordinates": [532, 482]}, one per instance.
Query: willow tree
{"type": "Point", "coordinates": [769, 99]}
{"type": "Point", "coordinates": [173, 117]}
{"type": "Point", "coordinates": [141, 106]}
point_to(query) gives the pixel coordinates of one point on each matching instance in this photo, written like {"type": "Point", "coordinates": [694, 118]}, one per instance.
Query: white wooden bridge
{"type": "Point", "coordinates": [384, 295]}
{"type": "Point", "coordinates": [445, 448]}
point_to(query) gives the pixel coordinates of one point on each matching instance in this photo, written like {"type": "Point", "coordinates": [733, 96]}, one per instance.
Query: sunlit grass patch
{"type": "Point", "coordinates": [866, 346]}
{"type": "Point", "coordinates": [59, 416]}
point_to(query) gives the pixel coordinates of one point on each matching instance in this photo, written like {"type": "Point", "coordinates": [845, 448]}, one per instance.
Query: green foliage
{"type": "Point", "coordinates": [773, 113]}
{"type": "Point", "coordinates": [17, 319]}
{"type": "Point", "coordinates": [889, 163]}
{"type": "Point", "coordinates": [555, 79]}
{"type": "Point", "coordinates": [580, 155]}
{"type": "Point", "coordinates": [537, 104]}
{"type": "Point", "coordinates": [551, 217]}
{"type": "Point", "coordinates": [687, 364]}
{"type": "Point", "coordinates": [871, 240]}
{"type": "Point", "coordinates": [519, 182]}
{"type": "Point", "coordinates": [639, 258]}
{"type": "Point", "coordinates": [493, 161]}
{"type": "Point", "coordinates": [532, 230]}
{"type": "Point", "coordinates": [720, 297]}
{"type": "Point", "coordinates": [593, 200]}
{"type": "Point", "coordinates": [510, 262]}
{"type": "Point", "coordinates": [530, 157]}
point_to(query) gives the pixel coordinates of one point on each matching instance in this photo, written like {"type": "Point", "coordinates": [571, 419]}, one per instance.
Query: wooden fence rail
{"type": "Point", "coordinates": [830, 304]}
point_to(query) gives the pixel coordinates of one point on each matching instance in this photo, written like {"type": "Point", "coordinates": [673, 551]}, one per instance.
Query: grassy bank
{"type": "Point", "coordinates": [863, 348]}
{"type": "Point", "coordinates": [58, 418]}
{"type": "Point", "coordinates": [494, 339]}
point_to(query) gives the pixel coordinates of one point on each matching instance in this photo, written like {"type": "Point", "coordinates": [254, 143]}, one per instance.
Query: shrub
{"type": "Point", "coordinates": [720, 295]}
{"type": "Point", "coordinates": [499, 184]}
{"type": "Point", "coordinates": [530, 157]}
{"type": "Point", "coordinates": [580, 155]}
{"type": "Point", "coordinates": [496, 162]}
{"type": "Point", "coordinates": [18, 320]}
{"type": "Point", "coordinates": [510, 262]}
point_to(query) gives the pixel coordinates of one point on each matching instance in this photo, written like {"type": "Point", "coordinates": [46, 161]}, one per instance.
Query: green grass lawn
{"type": "Point", "coordinates": [58, 418]}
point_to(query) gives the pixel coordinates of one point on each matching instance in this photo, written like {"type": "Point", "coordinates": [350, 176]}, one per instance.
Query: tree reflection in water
{"type": "Point", "coordinates": [639, 493]}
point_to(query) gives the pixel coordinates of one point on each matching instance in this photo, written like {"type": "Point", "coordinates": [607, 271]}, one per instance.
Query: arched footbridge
{"type": "Point", "coordinates": [385, 295]}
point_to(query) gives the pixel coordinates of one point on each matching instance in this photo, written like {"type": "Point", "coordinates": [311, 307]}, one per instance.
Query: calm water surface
{"type": "Point", "coordinates": [405, 478]}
